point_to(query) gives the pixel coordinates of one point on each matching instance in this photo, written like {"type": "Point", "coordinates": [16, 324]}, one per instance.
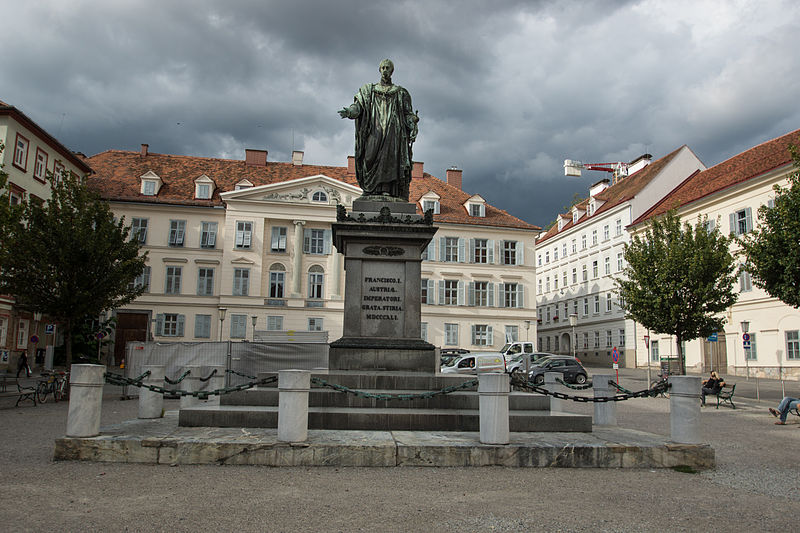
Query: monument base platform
{"type": "Point", "coordinates": [358, 353]}
{"type": "Point", "coordinates": [162, 441]}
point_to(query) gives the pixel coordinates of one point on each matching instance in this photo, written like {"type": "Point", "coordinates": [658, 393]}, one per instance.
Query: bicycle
{"type": "Point", "coordinates": [663, 380]}
{"type": "Point", "coordinates": [55, 384]}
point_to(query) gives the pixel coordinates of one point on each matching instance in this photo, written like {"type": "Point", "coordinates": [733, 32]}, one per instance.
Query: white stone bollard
{"type": "Point", "coordinates": [190, 383]}
{"type": "Point", "coordinates": [493, 391]}
{"type": "Point", "coordinates": [605, 414]}
{"type": "Point", "coordinates": [85, 400]}
{"type": "Point", "coordinates": [293, 387]}
{"type": "Point", "coordinates": [216, 382]}
{"type": "Point", "coordinates": [684, 409]}
{"type": "Point", "coordinates": [151, 404]}
{"type": "Point", "coordinates": [550, 383]}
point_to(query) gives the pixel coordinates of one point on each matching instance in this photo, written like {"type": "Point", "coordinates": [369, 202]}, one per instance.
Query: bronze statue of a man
{"type": "Point", "coordinates": [386, 128]}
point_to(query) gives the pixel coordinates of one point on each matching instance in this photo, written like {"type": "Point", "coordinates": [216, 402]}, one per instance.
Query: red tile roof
{"type": "Point", "coordinates": [622, 191]}
{"type": "Point", "coordinates": [747, 165]}
{"type": "Point", "coordinates": [117, 176]}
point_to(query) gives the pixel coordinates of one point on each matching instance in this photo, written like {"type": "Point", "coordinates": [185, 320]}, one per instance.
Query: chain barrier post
{"type": "Point", "coordinates": [684, 409]}
{"type": "Point", "coordinates": [493, 391]}
{"type": "Point", "coordinates": [293, 387]}
{"type": "Point", "coordinates": [605, 413]}
{"type": "Point", "coordinates": [191, 383]}
{"type": "Point", "coordinates": [216, 382]}
{"type": "Point", "coordinates": [151, 404]}
{"type": "Point", "coordinates": [85, 400]}
{"type": "Point", "coordinates": [550, 383]}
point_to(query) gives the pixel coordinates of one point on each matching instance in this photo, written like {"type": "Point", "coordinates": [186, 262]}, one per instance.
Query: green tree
{"type": "Point", "coordinates": [773, 249]}
{"type": "Point", "coordinates": [678, 279]}
{"type": "Point", "coordinates": [69, 258]}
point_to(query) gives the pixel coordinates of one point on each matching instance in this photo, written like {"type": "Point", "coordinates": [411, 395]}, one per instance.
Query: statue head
{"type": "Point", "coordinates": [386, 68]}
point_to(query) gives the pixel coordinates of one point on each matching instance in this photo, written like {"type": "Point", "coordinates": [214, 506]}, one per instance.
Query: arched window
{"type": "Point", "coordinates": [316, 282]}
{"type": "Point", "coordinates": [277, 280]}
{"type": "Point", "coordinates": [319, 196]}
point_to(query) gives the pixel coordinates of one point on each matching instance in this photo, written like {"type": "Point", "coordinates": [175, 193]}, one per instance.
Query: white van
{"type": "Point", "coordinates": [512, 349]}
{"type": "Point", "coordinates": [476, 363]}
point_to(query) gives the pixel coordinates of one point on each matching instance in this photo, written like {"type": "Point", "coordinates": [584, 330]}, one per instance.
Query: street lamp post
{"type": "Point", "coordinates": [573, 321]}
{"type": "Point", "coordinates": [222, 311]}
{"type": "Point", "coordinates": [527, 327]}
{"type": "Point", "coordinates": [254, 319]}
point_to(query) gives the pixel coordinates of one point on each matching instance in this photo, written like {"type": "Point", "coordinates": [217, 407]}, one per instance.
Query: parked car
{"type": "Point", "coordinates": [477, 362]}
{"type": "Point", "coordinates": [517, 363]}
{"type": "Point", "coordinates": [570, 367]}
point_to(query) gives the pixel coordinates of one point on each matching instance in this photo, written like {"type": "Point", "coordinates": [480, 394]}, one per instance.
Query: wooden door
{"type": "Point", "coordinates": [130, 327]}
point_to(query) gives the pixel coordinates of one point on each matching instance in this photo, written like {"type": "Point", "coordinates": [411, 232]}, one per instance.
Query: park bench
{"type": "Point", "coordinates": [725, 395]}
{"type": "Point", "coordinates": [11, 388]}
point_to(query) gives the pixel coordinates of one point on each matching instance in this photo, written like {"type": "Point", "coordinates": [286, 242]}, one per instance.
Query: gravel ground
{"type": "Point", "coordinates": [755, 487]}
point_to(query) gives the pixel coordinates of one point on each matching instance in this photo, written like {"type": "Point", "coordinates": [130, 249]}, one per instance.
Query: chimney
{"type": "Point", "coordinates": [297, 158]}
{"type": "Point", "coordinates": [416, 170]}
{"type": "Point", "coordinates": [144, 150]}
{"type": "Point", "coordinates": [255, 158]}
{"type": "Point", "coordinates": [351, 165]}
{"type": "Point", "coordinates": [454, 177]}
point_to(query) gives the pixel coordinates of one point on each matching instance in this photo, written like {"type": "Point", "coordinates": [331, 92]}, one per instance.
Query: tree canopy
{"type": "Point", "coordinates": [68, 258]}
{"type": "Point", "coordinates": [678, 279]}
{"type": "Point", "coordinates": [773, 248]}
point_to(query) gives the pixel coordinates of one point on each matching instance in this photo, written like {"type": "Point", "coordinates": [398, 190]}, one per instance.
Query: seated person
{"type": "Point", "coordinates": [786, 405]}
{"type": "Point", "coordinates": [711, 386]}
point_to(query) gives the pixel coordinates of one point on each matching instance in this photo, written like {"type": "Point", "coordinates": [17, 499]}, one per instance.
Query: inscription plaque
{"type": "Point", "coordinates": [382, 299]}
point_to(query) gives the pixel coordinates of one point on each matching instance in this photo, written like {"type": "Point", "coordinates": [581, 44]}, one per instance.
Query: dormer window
{"type": "Point", "coordinates": [575, 217]}
{"type": "Point", "coordinates": [151, 183]}
{"type": "Point", "coordinates": [430, 201]}
{"type": "Point", "coordinates": [244, 184]}
{"type": "Point", "coordinates": [319, 197]}
{"type": "Point", "coordinates": [203, 188]}
{"type": "Point", "coordinates": [476, 206]}
{"type": "Point", "coordinates": [591, 208]}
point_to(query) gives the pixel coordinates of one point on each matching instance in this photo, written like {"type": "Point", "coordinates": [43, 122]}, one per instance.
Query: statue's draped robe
{"type": "Point", "coordinates": [385, 129]}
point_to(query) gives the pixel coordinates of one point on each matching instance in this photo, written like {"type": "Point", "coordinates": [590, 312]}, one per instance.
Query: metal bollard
{"type": "Point", "coordinates": [151, 404]}
{"type": "Point", "coordinates": [85, 400]}
{"type": "Point", "coordinates": [191, 383]}
{"type": "Point", "coordinates": [684, 409]}
{"type": "Point", "coordinates": [605, 414]}
{"type": "Point", "coordinates": [216, 382]}
{"type": "Point", "coordinates": [550, 383]}
{"type": "Point", "coordinates": [293, 387]}
{"type": "Point", "coordinates": [493, 391]}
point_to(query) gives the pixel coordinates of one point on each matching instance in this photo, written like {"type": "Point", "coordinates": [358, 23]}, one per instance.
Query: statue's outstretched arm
{"type": "Point", "coordinates": [350, 112]}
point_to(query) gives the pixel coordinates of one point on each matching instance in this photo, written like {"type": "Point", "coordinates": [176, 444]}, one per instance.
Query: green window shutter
{"type": "Point", "coordinates": [490, 289]}
{"type": "Point", "coordinates": [181, 324]}
{"type": "Point", "coordinates": [490, 335]}
{"type": "Point", "coordinates": [748, 212]}
{"type": "Point", "coordinates": [462, 250]}
{"type": "Point", "coordinates": [471, 293]}
{"type": "Point", "coordinates": [306, 241]}
{"type": "Point", "coordinates": [160, 324]}
{"type": "Point", "coordinates": [733, 224]}
{"type": "Point", "coordinates": [442, 248]}
{"type": "Point", "coordinates": [326, 242]}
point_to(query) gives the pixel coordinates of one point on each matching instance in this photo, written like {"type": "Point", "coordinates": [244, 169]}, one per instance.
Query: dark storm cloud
{"type": "Point", "coordinates": [505, 90]}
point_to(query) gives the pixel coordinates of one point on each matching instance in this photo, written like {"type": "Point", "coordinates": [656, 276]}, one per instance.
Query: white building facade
{"type": "Point", "coordinates": [729, 195]}
{"type": "Point", "coordinates": [236, 247]}
{"type": "Point", "coordinates": [578, 259]}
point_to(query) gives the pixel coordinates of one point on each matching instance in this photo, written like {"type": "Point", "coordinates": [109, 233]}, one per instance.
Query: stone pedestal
{"type": "Point", "coordinates": [85, 400]}
{"type": "Point", "coordinates": [684, 409]}
{"type": "Point", "coordinates": [550, 383]}
{"type": "Point", "coordinates": [293, 387]}
{"type": "Point", "coordinates": [493, 391]}
{"type": "Point", "coordinates": [191, 383]}
{"type": "Point", "coordinates": [151, 404]}
{"type": "Point", "coordinates": [605, 414]}
{"type": "Point", "coordinates": [382, 245]}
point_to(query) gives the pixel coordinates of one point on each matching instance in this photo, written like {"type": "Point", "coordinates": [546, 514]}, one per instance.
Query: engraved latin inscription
{"type": "Point", "coordinates": [382, 298]}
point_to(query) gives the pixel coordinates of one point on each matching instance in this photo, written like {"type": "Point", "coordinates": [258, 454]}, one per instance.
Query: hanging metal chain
{"type": "Point", "coordinates": [587, 385]}
{"type": "Point", "coordinates": [118, 379]}
{"type": "Point", "coordinates": [520, 383]}
{"type": "Point", "coordinates": [229, 371]}
{"type": "Point", "coordinates": [175, 382]}
{"type": "Point", "coordinates": [212, 374]}
{"type": "Point", "coordinates": [405, 397]}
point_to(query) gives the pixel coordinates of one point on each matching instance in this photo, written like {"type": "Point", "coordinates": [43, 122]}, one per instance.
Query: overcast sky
{"type": "Point", "coordinates": [505, 90]}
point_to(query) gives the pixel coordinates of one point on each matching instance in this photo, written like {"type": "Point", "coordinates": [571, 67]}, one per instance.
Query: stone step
{"type": "Point", "coordinates": [417, 381]}
{"type": "Point", "coordinates": [409, 419]}
{"type": "Point", "coordinates": [324, 397]}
